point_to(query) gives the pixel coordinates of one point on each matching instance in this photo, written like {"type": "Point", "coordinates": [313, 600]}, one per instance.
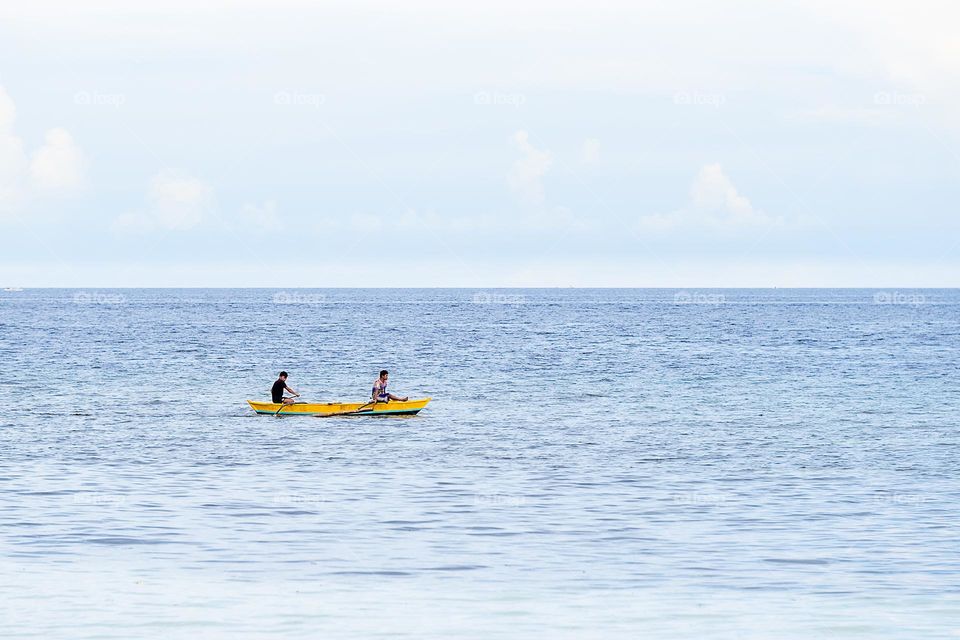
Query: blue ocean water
{"type": "Point", "coordinates": [595, 464]}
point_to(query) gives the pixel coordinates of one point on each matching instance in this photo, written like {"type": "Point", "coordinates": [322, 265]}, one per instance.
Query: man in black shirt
{"type": "Point", "coordinates": [279, 387]}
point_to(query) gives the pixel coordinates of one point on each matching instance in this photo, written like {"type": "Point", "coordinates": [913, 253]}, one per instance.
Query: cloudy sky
{"type": "Point", "coordinates": [643, 143]}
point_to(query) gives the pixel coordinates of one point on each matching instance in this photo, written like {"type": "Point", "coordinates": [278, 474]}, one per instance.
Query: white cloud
{"type": "Point", "coordinates": [175, 202]}
{"type": "Point", "coordinates": [843, 115]}
{"type": "Point", "coordinates": [452, 224]}
{"type": "Point", "coordinates": [261, 216]}
{"type": "Point", "coordinates": [178, 201]}
{"type": "Point", "coordinates": [59, 163]}
{"type": "Point", "coordinates": [591, 151]}
{"type": "Point", "coordinates": [913, 44]}
{"type": "Point", "coordinates": [713, 191]}
{"type": "Point", "coordinates": [133, 223]}
{"type": "Point", "coordinates": [714, 203]}
{"type": "Point", "coordinates": [352, 223]}
{"type": "Point", "coordinates": [526, 176]}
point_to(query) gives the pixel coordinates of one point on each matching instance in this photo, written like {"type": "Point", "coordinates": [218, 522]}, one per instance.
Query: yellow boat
{"type": "Point", "coordinates": [330, 409]}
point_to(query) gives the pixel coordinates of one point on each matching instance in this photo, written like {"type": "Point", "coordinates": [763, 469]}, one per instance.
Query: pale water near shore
{"type": "Point", "coordinates": [595, 463]}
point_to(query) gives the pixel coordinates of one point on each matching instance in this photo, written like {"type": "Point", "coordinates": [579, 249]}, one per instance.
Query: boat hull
{"type": "Point", "coordinates": [392, 408]}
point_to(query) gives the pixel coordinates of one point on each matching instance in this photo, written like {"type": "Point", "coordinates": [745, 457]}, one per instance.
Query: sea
{"type": "Point", "coordinates": [594, 463]}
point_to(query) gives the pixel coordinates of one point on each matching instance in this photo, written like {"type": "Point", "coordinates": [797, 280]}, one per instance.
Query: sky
{"type": "Point", "coordinates": [515, 144]}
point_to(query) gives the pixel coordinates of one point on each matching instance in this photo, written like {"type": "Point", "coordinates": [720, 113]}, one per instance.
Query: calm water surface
{"type": "Point", "coordinates": [595, 463]}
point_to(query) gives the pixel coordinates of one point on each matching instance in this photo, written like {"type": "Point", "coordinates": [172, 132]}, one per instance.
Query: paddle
{"type": "Point", "coordinates": [282, 405]}
{"type": "Point", "coordinates": [359, 409]}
